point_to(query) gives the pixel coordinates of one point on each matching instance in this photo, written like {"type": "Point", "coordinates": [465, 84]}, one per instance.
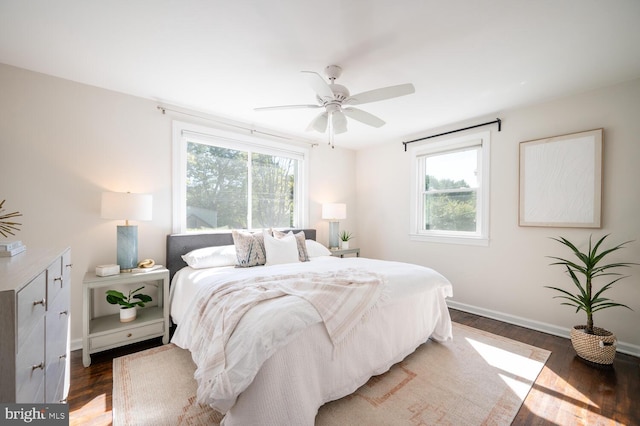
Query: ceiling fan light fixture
{"type": "Point", "coordinates": [332, 97]}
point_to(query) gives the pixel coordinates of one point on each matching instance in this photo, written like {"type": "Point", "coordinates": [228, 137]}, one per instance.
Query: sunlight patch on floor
{"type": "Point", "coordinates": [91, 412]}
{"type": "Point", "coordinates": [510, 362]}
{"type": "Point", "coordinates": [518, 371]}
{"type": "Point", "coordinates": [565, 403]}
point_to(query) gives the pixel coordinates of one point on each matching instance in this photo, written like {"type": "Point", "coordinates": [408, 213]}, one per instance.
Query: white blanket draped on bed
{"type": "Point", "coordinates": [341, 299]}
{"type": "Point", "coordinates": [282, 367]}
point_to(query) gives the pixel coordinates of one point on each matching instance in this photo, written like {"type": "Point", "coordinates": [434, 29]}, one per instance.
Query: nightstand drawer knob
{"type": "Point", "coordinates": [40, 302]}
{"type": "Point", "coordinates": [63, 313]}
{"type": "Point", "coordinates": [40, 366]}
{"type": "Point", "coordinates": [63, 356]}
{"type": "Point", "coordinates": [129, 335]}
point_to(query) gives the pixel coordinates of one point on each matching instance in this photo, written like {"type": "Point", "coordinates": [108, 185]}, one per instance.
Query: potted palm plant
{"type": "Point", "coordinates": [128, 303]}
{"type": "Point", "coordinates": [591, 343]}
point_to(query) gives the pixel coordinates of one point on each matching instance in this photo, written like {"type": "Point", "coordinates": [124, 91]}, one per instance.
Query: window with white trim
{"type": "Point", "coordinates": [450, 201]}
{"type": "Point", "coordinates": [225, 180]}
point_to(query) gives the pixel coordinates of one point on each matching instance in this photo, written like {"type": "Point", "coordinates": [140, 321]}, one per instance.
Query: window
{"type": "Point", "coordinates": [224, 180]}
{"type": "Point", "coordinates": [451, 190]}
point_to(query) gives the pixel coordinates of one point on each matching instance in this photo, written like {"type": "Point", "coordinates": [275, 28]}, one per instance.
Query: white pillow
{"type": "Point", "coordinates": [315, 249]}
{"type": "Point", "coordinates": [282, 250]}
{"type": "Point", "coordinates": [211, 257]}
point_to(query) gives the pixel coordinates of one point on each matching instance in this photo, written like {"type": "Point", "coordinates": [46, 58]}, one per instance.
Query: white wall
{"type": "Point", "coordinates": [506, 279]}
{"type": "Point", "coordinates": [63, 143]}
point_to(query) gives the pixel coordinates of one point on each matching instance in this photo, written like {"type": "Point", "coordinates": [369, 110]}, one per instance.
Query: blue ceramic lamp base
{"type": "Point", "coordinates": [333, 235]}
{"type": "Point", "coordinates": [127, 247]}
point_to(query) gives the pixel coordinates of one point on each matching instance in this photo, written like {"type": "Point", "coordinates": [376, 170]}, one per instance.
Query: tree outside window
{"type": "Point", "coordinates": [236, 189]}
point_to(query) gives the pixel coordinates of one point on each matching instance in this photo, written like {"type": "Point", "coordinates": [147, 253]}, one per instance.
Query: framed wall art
{"type": "Point", "coordinates": [561, 181]}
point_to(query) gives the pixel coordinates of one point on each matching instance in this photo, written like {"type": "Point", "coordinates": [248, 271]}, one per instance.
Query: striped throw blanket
{"type": "Point", "coordinates": [341, 299]}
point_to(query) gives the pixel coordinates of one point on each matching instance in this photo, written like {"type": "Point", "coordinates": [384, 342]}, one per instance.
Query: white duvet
{"type": "Point", "coordinates": [280, 362]}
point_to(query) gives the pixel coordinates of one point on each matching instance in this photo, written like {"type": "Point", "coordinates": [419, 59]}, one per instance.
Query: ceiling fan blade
{"type": "Point", "coordinates": [318, 85]}
{"type": "Point", "coordinates": [380, 94]}
{"type": "Point", "coordinates": [319, 123]}
{"type": "Point", "coordinates": [363, 117]}
{"type": "Point", "coordinates": [339, 122]}
{"type": "Point", "coordinates": [286, 107]}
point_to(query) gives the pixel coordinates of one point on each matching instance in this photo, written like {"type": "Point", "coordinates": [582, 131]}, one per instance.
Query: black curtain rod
{"type": "Point", "coordinates": [497, 120]}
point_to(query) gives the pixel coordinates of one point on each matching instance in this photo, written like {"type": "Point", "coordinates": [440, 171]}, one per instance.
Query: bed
{"type": "Point", "coordinates": [287, 354]}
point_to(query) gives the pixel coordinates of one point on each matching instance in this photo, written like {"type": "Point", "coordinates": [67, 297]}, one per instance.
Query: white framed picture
{"type": "Point", "coordinates": [561, 181]}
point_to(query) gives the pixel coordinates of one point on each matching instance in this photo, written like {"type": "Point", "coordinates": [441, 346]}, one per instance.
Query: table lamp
{"type": "Point", "coordinates": [127, 206]}
{"type": "Point", "coordinates": [333, 212]}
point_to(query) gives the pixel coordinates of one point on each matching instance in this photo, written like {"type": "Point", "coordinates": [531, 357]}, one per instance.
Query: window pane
{"type": "Point", "coordinates": [273, 190]}
{"type": "Point", "coordinates": [450, 211]}
{"type": "Point", "coordinates": [450, 183]}
{"type": "Point", "coordinates": [457, 169]}
{"type": "Point", "coordinates": [216, 188]}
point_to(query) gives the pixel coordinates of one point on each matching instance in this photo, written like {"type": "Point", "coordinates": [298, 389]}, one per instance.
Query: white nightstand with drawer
{"type": "Point", "coordinates": [100, 333]}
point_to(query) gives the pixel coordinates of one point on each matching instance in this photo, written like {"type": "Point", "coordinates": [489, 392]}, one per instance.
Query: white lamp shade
{"type": "Point", "coordinates": [127, 206]}
{"type": "Point", "coordinates": [334, 211]}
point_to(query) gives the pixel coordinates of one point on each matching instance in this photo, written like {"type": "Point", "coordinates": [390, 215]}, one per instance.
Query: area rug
{"type": "Point", "coordinates": [479, 378]}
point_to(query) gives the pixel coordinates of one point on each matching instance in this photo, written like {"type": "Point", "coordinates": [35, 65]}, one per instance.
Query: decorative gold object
{"type": "Point", "coordinates": [7, 227]}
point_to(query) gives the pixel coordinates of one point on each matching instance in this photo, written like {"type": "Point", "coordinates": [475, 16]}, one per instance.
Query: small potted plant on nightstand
{"type": "Point", "coordinates": [345, 236]}
{"type": "Point", "coordinates": [128, 303]}
{"type": "Point", "coordinates": [591, 343]}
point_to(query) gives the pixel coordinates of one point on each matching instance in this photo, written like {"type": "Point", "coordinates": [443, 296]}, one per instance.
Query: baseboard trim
{"type": "Point", "coordinates": [625, 348]}
{"type": "Point", "coordinates": [76, 344]}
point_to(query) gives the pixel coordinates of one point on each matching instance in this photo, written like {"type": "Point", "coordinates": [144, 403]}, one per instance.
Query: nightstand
{"type": "Point", "coordinates": [107, 332]}
{"type": "Point", "coordinates": [342, 252]}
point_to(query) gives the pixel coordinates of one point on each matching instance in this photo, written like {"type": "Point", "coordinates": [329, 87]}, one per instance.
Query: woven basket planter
{"type": "Point", "coordinates": [599, 347]}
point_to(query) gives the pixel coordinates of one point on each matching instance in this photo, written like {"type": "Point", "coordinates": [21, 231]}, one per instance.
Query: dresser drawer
{"type": "Point", "coordinates": [30, 366]}
{"type": "Point", "coordinates": [55, 281]}
{"type": "Point", "coordinates": [31, 306]}
{"type": "Point", "coordinates": [131, 335]}
{"type": "Point", "coordinates": [57, 371]}
{"type": "Point", "coordinates": [57, 332]}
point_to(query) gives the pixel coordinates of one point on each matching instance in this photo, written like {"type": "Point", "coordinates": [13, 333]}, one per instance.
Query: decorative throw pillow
{"type": "Point", "coordinates": [315, 249]}
{"type": "Point", "coordinates": [211, 257]}
{"type": "Point", "coordinates": [282, 250]}
{"type": "Point", "coordinates": [249, 248]}
{"type": "Point", "coordinates": [300, 241]}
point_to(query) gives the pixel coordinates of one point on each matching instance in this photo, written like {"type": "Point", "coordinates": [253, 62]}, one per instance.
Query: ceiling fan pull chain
{"type": "Point", "coordinates": [331, 133]}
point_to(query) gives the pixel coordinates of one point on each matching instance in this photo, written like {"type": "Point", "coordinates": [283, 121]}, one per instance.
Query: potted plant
{"type": "Point", "coordinates": [344, 239]}
{"type": "Point", "coordinates": [591, 343]}
{"type": "Point", "coordinates": [128, 303]}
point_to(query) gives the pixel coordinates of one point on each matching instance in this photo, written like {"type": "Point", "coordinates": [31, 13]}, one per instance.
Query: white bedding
{"type": "Point", "coordinates": [282, 364]}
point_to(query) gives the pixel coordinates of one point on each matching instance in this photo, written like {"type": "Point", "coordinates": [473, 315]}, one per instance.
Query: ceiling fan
{"type": "Point", "coordinates": [335, 99]}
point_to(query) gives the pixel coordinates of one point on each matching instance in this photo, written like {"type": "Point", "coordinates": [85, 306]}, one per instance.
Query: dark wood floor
{"type": "Point", "coordinates": [567, 392]}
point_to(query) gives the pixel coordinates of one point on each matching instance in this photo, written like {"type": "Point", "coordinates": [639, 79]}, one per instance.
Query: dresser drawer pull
{"type": "Point", "coordinates": [40, 302]}
{"type": "Point", "coordinates": [63, 356]}
{"type": "Point", "coordinates": [129, 335]}
{"type": "Point", "coordinates": [70, 265]}
{"type": "Point", "coordinates": [63, 313]}
{"type": "Point", "coordinates": [58, 279]}
{"type": "Point", "coordinates": [40, 366]}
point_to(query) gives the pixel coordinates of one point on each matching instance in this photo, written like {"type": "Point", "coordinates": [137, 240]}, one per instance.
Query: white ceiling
{"type": "Point", "coordinates": [466, 58]}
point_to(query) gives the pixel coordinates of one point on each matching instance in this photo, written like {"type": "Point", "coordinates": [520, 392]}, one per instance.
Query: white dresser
{"type": "Point", "coordinates": [34, 326]}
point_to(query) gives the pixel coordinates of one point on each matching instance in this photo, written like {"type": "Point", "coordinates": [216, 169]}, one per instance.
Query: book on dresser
{"type": "Point", "coordinates": [12, 251]}
{"type": "Point", "coordinates": [9, 245]}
